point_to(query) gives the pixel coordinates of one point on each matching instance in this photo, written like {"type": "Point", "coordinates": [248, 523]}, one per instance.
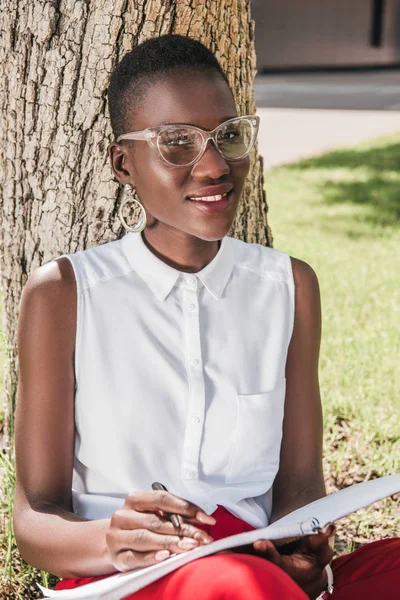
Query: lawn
{"type": "Point", "coordinates": [341, 214]}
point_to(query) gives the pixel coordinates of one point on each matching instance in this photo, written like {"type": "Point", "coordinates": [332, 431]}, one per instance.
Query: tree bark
{"type": "Point", "coordinates": [58, 194]}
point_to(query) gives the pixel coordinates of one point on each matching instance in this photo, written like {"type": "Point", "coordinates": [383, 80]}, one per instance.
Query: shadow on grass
{"type": "Point", "coordinates": [372, 179]}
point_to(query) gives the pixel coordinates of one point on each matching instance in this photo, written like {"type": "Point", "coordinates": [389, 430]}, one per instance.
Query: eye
{"type": "Point", "coordinates": [181, 140]}
{"type": "Point", "coordinates": [231, 134]}
{"type": "Point", "coordinates": [174, 139]}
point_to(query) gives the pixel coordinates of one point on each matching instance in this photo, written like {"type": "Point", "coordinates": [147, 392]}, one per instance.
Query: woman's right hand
{"type": "Point", "coordinates": [140, 535]}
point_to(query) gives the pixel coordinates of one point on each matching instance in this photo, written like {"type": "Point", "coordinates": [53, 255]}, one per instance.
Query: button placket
{"type": "Point", "coordinates": [196, 400]}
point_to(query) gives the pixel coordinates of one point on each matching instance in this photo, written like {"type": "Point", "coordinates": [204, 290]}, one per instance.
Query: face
{"type": "Point", "coordinates": [195, 99]}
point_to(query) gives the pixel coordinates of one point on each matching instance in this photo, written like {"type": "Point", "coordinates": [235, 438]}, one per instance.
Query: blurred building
{"type": "Point", "coordinates": [307, 34]}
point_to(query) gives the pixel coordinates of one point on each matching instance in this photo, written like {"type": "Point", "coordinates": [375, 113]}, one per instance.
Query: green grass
{"type": "Point", "coordinates": [341, 213]}
{"type": "Point", "coordinates": [330, 212]}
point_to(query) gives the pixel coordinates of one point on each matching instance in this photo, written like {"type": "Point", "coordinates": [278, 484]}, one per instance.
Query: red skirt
{"type": "Point", "coordinates": [370, 573]}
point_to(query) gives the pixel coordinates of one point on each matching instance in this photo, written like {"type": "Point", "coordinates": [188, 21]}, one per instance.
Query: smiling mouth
{"type": "Point", "coordinates": [212, 205]}
{"type": "Point", "coordinates": [215, 198]}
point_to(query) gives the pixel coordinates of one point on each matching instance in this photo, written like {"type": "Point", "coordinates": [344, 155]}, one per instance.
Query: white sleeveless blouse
{"type": "Point", "coordinates": [180, 378]}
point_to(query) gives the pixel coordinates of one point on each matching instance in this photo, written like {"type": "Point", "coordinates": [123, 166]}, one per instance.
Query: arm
{"type": "Point", "coordinates": [300, 478]}
{"type": "Point", "coordinates": [49, 535]}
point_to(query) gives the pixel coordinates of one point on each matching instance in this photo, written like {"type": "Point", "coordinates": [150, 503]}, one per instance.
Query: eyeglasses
{"type": "Point", "coordinates": [183, 145]}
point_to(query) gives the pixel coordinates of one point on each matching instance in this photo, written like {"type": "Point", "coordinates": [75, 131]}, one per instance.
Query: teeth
{"type": "Point", "coordinates": [210, 198]}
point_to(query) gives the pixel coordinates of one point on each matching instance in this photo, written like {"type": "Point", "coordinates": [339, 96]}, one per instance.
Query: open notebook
{"type": "Point", "coordinates": [304, 521]}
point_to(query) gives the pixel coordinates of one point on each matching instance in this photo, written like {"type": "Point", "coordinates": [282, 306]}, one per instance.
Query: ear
{"type": "Point", "coordinates": [121, 164]}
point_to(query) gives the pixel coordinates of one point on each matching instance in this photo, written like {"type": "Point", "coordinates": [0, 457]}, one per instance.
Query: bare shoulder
{"type": "Point", "coordinates": [306, 283]}
{"type": "Point", "coordinates": [48, 301]}
{"type": "Point", "coordinates": [303, 274]}
{"type": "Point", "coordinates": [307, 322]}
{"type": "Point", "coordinates": [55, 276]}
{"type": "Point", "coordinates": [52, 284]}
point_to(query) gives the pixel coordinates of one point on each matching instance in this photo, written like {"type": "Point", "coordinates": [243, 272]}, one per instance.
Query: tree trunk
{"type": "Point", "coordinates": [58, 193]}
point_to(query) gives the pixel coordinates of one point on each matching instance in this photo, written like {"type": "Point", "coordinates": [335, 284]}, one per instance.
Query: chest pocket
{"type": "Point", "coordinates": [256, 443]}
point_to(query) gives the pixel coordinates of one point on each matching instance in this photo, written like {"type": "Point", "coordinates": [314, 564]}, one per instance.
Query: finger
{"type": "Point", "coordinates": [131, 519]}
{"type": "Point", "coordinates": [169, 503]}
{"type": "Point", "coordinates": [268, 550]}
{"type": "Point", "coordinates": [305, 564]}
{"type": "Point", "coordinates": [186, 529]}
{"type": "Point", "coordinates": [318, 539]}
{"type": "Point", "coordinates": [319, 549]}
{"type": "Point", "coordinates": [129, 559]}
{"type": "Point", "coordinates": [331, 529]}
{"type": "Point", "coordinates": [143, 540]}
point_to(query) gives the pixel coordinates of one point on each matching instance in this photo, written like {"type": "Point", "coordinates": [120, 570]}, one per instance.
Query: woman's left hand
{"type": "Point", "coordinates": [306, 566]}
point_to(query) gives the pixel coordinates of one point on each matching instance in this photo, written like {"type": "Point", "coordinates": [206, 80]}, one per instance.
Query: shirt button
{"type": "Point", "coordinates": [191, 307]}
{"type": "Point", "coordinates": [194, 362]}
{"type": "Point", "coordinates": [190, 474]}
{"type": "Point", "coordinates": [190, 280]}
{"type": "Point", "coordinates": [195, 419]}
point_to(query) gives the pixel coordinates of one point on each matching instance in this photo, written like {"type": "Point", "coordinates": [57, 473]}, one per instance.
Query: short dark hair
{"type": "Point", "coordinates": [153, 58]}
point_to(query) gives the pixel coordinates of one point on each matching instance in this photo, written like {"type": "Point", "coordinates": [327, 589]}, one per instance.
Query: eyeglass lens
{"type": "Point", "coordinates": [182, 145]}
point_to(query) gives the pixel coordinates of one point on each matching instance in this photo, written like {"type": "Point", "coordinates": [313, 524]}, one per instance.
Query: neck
{"type": "Point", "coordinates": [181, 251]}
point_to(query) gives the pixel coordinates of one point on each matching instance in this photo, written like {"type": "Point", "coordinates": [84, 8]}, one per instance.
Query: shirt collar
{"type": "Point", "coordinates": [161, 278]}
{"type": "Point", "coordinates": [216, 274]}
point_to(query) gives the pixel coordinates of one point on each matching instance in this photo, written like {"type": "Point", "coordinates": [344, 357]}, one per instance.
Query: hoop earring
{"type": "Point", "coordinates": [132, 197]}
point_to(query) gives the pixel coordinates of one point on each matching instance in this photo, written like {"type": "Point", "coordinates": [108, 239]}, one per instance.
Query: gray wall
{"type": "Point", "coordinates": [296, 33]}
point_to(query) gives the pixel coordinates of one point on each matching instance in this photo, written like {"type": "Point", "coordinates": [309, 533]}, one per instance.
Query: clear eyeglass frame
{"type": "Point", "coordinates": [152, 136]}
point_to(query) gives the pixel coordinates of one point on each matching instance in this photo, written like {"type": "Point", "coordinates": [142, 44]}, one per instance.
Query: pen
{"type": "Point", "coordinates": [173, 518]}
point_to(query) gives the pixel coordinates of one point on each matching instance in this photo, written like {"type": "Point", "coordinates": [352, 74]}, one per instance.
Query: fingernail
{"type": "Point", "coordinates": [201, 538]}
{"type": "Point", "coordinates": [162, 555]}
{"type": "Point", "coordinates": [187, 544]}
{"type": "Point", "coordinates": [203, 518]}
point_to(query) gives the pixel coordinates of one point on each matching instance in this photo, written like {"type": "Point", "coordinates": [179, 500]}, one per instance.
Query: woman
{"type": "Point", "coordinates": [175, 354]}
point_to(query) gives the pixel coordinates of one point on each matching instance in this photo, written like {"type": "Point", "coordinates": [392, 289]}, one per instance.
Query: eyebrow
{"type": "Point", "coordinates": [193, 124]}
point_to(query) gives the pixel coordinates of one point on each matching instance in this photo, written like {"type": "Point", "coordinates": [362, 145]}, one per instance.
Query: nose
{"type": "Point", "coordinates": [211, 165]}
